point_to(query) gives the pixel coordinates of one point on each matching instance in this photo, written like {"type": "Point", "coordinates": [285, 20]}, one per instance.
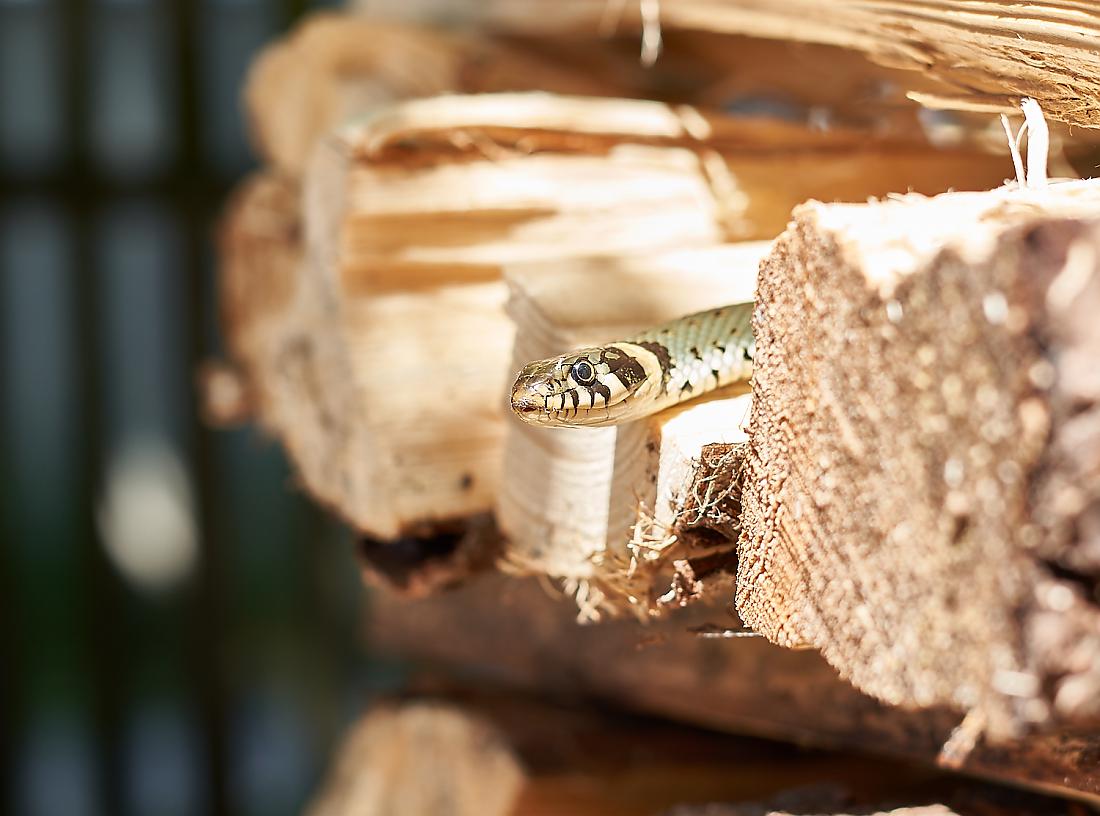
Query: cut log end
{"type": "Point", "coordinates": [910, 442]}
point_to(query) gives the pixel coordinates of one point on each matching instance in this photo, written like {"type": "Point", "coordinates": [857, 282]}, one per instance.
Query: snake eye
{"type": "Point", "coordinates": [583, 372]}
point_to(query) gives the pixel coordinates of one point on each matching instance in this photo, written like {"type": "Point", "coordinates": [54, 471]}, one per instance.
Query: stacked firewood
{"type": "Point", "coordinates": [912, 487]}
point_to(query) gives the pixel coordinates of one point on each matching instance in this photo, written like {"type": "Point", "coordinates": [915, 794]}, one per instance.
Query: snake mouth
{"type": "Point", "coordinates": [526, 403]}
{"type": "Point", "coordinates": [528, 398]}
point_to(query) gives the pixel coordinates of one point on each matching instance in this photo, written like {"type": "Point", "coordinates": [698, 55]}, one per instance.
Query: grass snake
{"type": "Point", "coordinates": [628, 379]}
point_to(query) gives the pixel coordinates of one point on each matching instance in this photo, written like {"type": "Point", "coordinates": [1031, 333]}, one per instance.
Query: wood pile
{"type": "Point", "coordinates": [906, 503]}
{"type": "Point", "coordinates": [468, 754]}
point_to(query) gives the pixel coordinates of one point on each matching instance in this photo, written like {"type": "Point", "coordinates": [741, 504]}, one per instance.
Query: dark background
{"type": "Point", "coordinates": [179, 626]}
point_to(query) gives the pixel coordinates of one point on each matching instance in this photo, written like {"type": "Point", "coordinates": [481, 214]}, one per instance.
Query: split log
{"type": "Point", "coordinates": [990, 54]}
{"type": "Point", "coordinates": [596, 506]}
{"type": "Point", "coordinates": [923, 486]}
{"type": "Point", "coordinates": [991, 803]}
{"type": "Point", "coordinates": [986, 55]}
{"type": "Point", "coordinates": [395, 352]}
{"type": "Point", "coordinates": [335, 68]}
{"type": "Point", "coordinates": [512, 633]}
{"type": "Point", "coordinates": [408, 246]}
{"type": "Point", "coordinates": [505, 754]}
{"type": "Point", "coordinates": [472, 754]}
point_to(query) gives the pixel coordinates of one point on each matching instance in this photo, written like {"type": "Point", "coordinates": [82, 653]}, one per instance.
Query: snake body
{"type": "Point", "coordinates": [629, 379]}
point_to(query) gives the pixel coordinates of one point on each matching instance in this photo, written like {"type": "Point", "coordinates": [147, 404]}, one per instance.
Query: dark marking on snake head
{"type": "Point", "coordinates": [660, 351]}
{"type": "Point", "coordinates": [628, 370]}
{"type": "Point", "coordinates": [603, 391]}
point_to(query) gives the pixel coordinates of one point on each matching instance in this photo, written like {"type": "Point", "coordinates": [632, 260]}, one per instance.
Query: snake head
{"type": "Point", "coordinates": [588, 387]}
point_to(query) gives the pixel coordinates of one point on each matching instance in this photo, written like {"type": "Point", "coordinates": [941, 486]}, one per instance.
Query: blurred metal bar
{"type": "Point", "coordinates": [31, 131]}
{"type": "Point", "coordinates": [104, 623]}
{"type": "Point", "coordinates": [12, 701]}
{"type": "Point", "coordinates": [206, 639]}
{"type": "Point", "coordinates": [42, 529]}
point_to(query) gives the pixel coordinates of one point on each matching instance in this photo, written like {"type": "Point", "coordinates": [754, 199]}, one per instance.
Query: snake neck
{"type": "Point", "coordinates": [696, 354]}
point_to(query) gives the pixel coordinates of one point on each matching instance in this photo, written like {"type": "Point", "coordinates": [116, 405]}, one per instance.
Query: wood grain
{"type": "Point", "coordinates": [912, 505]}
{"type": "Point", "coordinates": [509, 632]}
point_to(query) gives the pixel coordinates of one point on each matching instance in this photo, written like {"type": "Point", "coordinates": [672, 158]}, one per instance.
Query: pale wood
{"type": "Point", "coordinates": [495, 753]}
{"type": "Point", "coordinates": [270, 309]}
{"type": "Point", "coordinates": [914, 506]}
{"type": "Point", "coordinates": [985, 55]}
{"type": "Point", "coordinates": [516, 633]}
{"type": "Point", "coordinates": [755, 809]}
{"type": "Point", "coordinates": [422, 759]}
{"type": "Point", "coordinates": [334, 68]}
{"type": "Point", "coordinates": [492, 753]}
{"type": "Point", "coordinates": [379, 350]}
{"type": "Point", "coordinates": [412, 256]}
{"type": "Point", "coordinates": [991, 53]}
{"type": "Point", "coordinates": [570, 499]}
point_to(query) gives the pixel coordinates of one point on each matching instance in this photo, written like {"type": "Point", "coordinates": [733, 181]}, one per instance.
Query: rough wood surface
{"type": "Point", "coordinates": [921, 496]}
{"type": "Point", "coordinates": [986, 55]}
{"type": "Point", "coordinates": [334, 68]}
{"type": "Point", "coordinates": [512, 632]}
{"type": "Point", "coordinates": [421, 759]}
{"type": "Point", "coordinates": [447, 750]}
{"type": "Point", "coordinates": [965, 803]}
{"type": "Point", "coordinates": [595, 506]}
{"type": "Point", "coordinates": [384, 340]}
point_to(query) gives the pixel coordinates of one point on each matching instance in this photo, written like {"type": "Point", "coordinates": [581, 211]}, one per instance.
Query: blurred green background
{"type": "Point", "coordinates": [179, 626]}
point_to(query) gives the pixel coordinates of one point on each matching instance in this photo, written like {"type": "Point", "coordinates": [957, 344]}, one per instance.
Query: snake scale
{"type": "Point", "coordinates": [628, 379]}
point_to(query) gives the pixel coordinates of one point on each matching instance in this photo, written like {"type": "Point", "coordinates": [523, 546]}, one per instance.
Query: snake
{"type": "Point", "coordinates": [626, 380]}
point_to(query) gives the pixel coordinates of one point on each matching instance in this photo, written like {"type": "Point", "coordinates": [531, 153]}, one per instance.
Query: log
{"type": "Point", "coordinates": [990, 55]}
{"type": "Point", "coordinates": [986, 56]}
{"type": "Point", "coordinates": [595, 506]}
{"type": "Point", "coordinates": [452, 750]}
{"type": "Point", "coordinates": [921, 493]}
{"type": "Point", "coordinates": [512, 633]}
{"type": "Point", "coordinates": [806, 802]}
{"type": "Point", "coordinates": [408, 247]}
{"type": "Point", "coordinates": [396, 349]}
{"type": "Point", "coordinates": [333, 68]}
{"type": "Point", "coordinates": [499, 754]}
